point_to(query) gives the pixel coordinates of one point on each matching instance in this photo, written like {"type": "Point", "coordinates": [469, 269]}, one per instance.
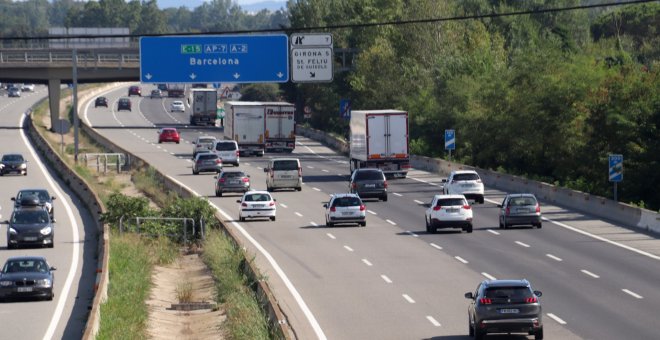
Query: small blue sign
{"type": "Point", "coordinates": [345, 108]}
{"type": "Point", "coordinates": [450, 140]}
{"type": "Point", "coordinates": [213, 59]}
{"type": "Point", "coordinates": [616, 168]}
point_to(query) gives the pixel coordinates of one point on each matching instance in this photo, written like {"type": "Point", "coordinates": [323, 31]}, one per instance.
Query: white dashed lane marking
{"type": "Point", "coordinates": [433, 321]}
{"type": "Point", "coordinates": [324, 170]}
{"type": "Point", "coordinates": [386, 279]}
{"type": "Point", "coordinates": [396, 194]}
{"type": "Point", "coordinates": [348, 248]}
{"type": "Point", "coordinates": [522, 244]}
{"type": "Point", "coordinates": [633, 294]}
{"type": "Point", "coordinates": [436, 246]}
{"type": "Point", "coordinates": [556, 318]}
{"type": "Point", "coordinates": [492, 231]}
{"type": "Point", "coordinates": [367, 262]}
{"type": "Point", "coordinates": [408, 298]}
{"type": "Point", "coordinates": [590, 273]}
{"type": "Point", "coordinates": [314, 224]}
{"type": "Point", "coordinates": [411, 233]}
{"type": "Point", "coordinates": [391, 222]}
{"type": "Point", "coordinates": [331, 236]}
{"type": "Point", "coordinates": [283, 205]}
{"type": "Point", "coordinates": [372, 212]}
{"type": "Point", "coordinates": [554, 257]}
{"type": "Point", "coordinates": [461, 259]}
{"type": "Point", "coordinates": [298, 214]}
{"type": "Point", "coordinates": [488, 276]}
{"type": "Point", "coordinates": [419, 202]}
{"type": "Point", "coordinates": [317, 189]}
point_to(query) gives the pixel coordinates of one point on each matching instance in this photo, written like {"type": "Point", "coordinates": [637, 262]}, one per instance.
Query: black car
{"type": "Point", "coordinates": [30, 226]}
{"type": "Point", "coordinates": [368, 183]}
{"type": "Point", "coordinates": [124, 104]}
{"type": "Point", "coordinates": [35, 197]}
{"type": "Point", "coordinates": [162, 87]}
{"type": "Point", "coordinates": [101, 101]}
{"type": "Point", "coordinates": [504, 306]}
{"type": "Point", "coordinates": [13, 92]}
{"type": "Point", "coordinates": [27, 277]}
{"type": "Point", "coordinates": [232, 181]}
{"type": "Point", "coordinates": [13, 163]}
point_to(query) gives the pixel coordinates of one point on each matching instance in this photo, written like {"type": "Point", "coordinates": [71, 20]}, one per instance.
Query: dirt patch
{"type": "Point", "coordinates": [164, 323]}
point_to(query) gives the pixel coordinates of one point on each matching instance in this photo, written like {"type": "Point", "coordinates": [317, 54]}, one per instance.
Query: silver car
{"type": "Point", "coordinates": [206, 162]}
{"type": "Point", "coordinates": [227, 150]}
{"type": "Point", "coordinates": [345, 208]}
{"type": "Point", "coordinates": [203, 144]}
{"type": "Point", "coordinates": [520, 209]}
{"type": "Point", "coordinates": [369, 182]}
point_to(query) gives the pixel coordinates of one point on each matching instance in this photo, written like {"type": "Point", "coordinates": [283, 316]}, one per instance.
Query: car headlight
{"type": "Point", "coordinates": [23, 166]}
{"type": "Point", "coordinates": [43, 283]}
{"type": "Point", "coordinates": [12, 230]}
{"type": "Point", "coordinates": [6, 283]}
{"type": "Point", "coordinates": [46, 231]}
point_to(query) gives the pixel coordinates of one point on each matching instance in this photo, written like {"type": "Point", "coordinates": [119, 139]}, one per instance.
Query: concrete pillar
{"type": "Point", "coordinates": [54, 101]}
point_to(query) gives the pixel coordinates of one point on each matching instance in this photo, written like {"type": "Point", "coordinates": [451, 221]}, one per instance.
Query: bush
{"type": "Point", "coordinates": [119, 205]}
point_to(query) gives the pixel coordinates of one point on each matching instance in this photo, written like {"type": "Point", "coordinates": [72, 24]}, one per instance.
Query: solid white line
{"type": "Point", "coordinates": [371, 212]}
{"type": "Point", "coordinates": [317, 189]}
{"type": "Point", "coordinates": [433, 321]}
{"type": "Point", "coordinates": [283, 205]}
{"type": "Point", "coordinates": [390, 222]}
{"type": "Point", "coordinates": [633, 294]}
{"type": "Point", "coordinates": [556, 318]}
{"type": "Point", "coordinates": [436, 246]}
{"type": "Point", "coordinates": [386, 279]}
{"type": "Point", "coordinates": [522, 244]}
{"type": "Point", "coordinates": [408, 298]}
{"type": "Point", "coordinates": [299, 214]}
{"type": "Point", "coordinates": [461, 259]}
{"type": "Point", "coordinates": [292, 289]}
{"type": "Point", "coordinates": [492, 231]}
{"type": "Point", "coordinates": [419, 202]}
{"type": "Point", "coordinates": [348, 248]}
{"type": "Point", "coordinates": [553, 257]}
{"type": "Point", "coordinates": [314, 224]}
{"type": "Point", "coordinates": [396, 194]}
{"type": "Point", "coordinates": [590, 273]}
{"type": "Point", "coordinates": [411, 233]}
{"type": "Point", "coordinates": [75, 238]}
{"type": "Point", "coordinates": [488, 276]}
{"type": "Point", "coordinates": [331, 236]}
{"type": "Point", "coordinates": [367, 262]}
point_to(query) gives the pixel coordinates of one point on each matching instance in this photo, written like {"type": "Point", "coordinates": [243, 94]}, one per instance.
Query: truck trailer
{"type": "Point", "coordinates": [245, 123]}
{"type": "Point", "coordinates": [204, 105]}
{"type": "Point", "coordinates": [379, 139]}
{"type": "Point", "coordinates": [280, 133]}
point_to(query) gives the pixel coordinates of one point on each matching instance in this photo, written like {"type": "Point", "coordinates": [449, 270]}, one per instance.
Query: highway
{"type": "Point", "coordinates": [392, 280]}
{"type": "Point", "coordinates": [75, 240]}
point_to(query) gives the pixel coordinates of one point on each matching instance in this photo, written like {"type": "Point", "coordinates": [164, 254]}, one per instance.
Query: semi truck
{"type": "Point", "coordinates": [176, 90]}
{"type": "Point", "coordinates": [245, 123]}
{"type": "Point", "coordinates": [204, 106]}
{"type": "Point", "coordinates": [379, 139]}
{"type": "Point", "coordinates": [280, 133]}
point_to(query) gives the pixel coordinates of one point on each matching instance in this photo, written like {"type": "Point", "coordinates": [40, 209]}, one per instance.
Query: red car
{"type": "Point", "coordinates": [134, 91]}
{"type": "Point", "coordinates": [168, 135]}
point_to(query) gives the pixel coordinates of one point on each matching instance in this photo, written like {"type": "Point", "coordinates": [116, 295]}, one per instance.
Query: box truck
{"type": "Point", "coordinates": [204, 106]}
{"type": "Point", "coordinates": [245, 123]}
{"type": "Point", "coordinates": [379, 139]}
{"type": "Point", "coordinates": [280, 133]}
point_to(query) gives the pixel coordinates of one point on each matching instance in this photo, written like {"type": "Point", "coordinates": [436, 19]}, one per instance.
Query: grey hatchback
{"type": "Point", "coordinates": [368, 183]}
{"type": "Point", "coordinates": [504, 306]}
{"type": "Point", "coordinates": [520, 209]}
{"type": "Point", "coordinates": [232, 181]}
{"type": "Point", "coordinates": [206, 162]}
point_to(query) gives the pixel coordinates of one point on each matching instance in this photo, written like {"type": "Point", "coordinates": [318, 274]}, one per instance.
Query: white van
{"type": "Point", "coordinates": [284, 173]}
{"type": "Point", "coordinates": [227, 150]}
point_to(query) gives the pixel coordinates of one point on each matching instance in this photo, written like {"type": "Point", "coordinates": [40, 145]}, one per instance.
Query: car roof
{"type": "Point", "coordinates": [168, 129]}
{"type": "Point", "coordinates": [257, 192]}
{"type": "Point", "coordinates": [507, 283]}
{"type": "Point", "coordinates": [369, 169]}
{"type": "Point", "coordinates": [285, 159]}
{"type": "Point", "coordinates": [34, 189]}
{"type": "Point", "coordinates": [177, 102]}
{"type": "Point", "coordinates": [206, 153]}
{"type": "Point", "coordinates": [202, 137]}
{"type": "Point", "coordinates": [13, 154]}
{"type": "Point", "coordinates": [439, 196]}
{"type": "Point", "coordinates": [338, 195]}
{"type": "Point", "coordinates": [463, 172]}
{"type": "Point", "coordinates": [26, 258]}
{"type": "Point", "coordinates": [522, 194]}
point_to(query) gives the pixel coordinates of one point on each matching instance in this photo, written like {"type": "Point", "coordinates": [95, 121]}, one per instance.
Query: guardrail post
{"type": "Point", "coordinates": [118, 162]}
{"type": "Point", "coordinates": [105, 164]}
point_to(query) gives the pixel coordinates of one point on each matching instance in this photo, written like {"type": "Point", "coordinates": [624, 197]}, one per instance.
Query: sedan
{"type": "Point", "coordinates": [32, 197]}
{"type": "Point", "coordinates": [177, 106]}
{"type": "Point", "coordinates": [30, 226]}
{"type": "Point", "coordinates": [520, 209]}
{"type": "Point", "coordinates": [101, 101]}
{"type": "Point", "coordinates": [232, 181]}
{"type": "Point", "coordinates": [124, 104]}
{"type": "Point", "coordinates": [206, 162]}
{"type": "Point", "coordinates": [168, 135]}
{"type": "Point", "coordinates": [448, 211]}
{"type": "Point", "coordinates": [13, 163]}
{"type": "Point", "coordinates": [257, 204]}
{"type": "Point", "coordinates": [27, 88]}
{"type": "Point", "coordinates": [345, 208]}
{"type": "Point", "coordinates": [134, 90]}
{"type": "Point", "coordinates": [27, 277]}
{"type": "Point", "coordinates": [14, 92]}
{"type": "Point", "coordinates": [156, 94]}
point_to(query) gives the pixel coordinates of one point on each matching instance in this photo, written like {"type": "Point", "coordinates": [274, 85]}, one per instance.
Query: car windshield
{"type": "Point", "coordinates": [29, 216]}
{"type": "Point", "coordinates": [466, 177]}
{"type": "Point", "coordinates": [12, 158]}
{"type": "Point", "coordinates": [232, 174]}
{"type": "Point", "coordinates": [257, 198]}
{"type": "Point", "coordinates": [124, 101]}
{"type": "Point", "coordinates": [42, 194]}
{"type": "Point", "coordinates": [285, 165]}
{"type": "Point", "coordinates": [443, 202]}
{"type": "Point", "coordinates": [225, 146]}
{"type": "Point", "coordinates": [346, 202]}
{"type": "Point", "coordinates": [177, 103]}
{"type": "Point", "coordinates": [208, 156]}
{"type": "Point", "coordinates": [206, 140]}
{"type": "Point", "coordinates": [369, 175]}
{"type": "Point", "coordinates": [521, 201]}
{"type": "Point", "coordinates": [508, 293]}
{"type": "Point", "coordinates": [29, 266]}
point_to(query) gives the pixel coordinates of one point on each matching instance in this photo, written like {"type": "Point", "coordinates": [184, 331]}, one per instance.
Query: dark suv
{"type": "Point", "coordinates": [101, 101]}
{"type": "Point", "coordinates": [31, 226]}
{"type": "Point", "coordinates": [368, 183]}
{"type": "Point", "coordinates": [124, 104]}
{"type": "Point", "coordinates": [504, 306]}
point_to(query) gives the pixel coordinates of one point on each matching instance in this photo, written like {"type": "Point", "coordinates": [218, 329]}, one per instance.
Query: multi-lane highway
{"type": "Point", "coordinates": [75, 240]}
{"type": "Point", "coordinates": [392, 280]}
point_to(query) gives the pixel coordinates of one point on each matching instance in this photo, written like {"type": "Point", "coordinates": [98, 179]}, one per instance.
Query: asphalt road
{"type": "Point", "coordinates": [392, 280]}
{"type": "Point", "coordinates": [75, 242]}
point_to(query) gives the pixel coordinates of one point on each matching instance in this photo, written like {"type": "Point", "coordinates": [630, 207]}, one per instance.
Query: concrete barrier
{"type": "Point", "coordinates": [621, 213]}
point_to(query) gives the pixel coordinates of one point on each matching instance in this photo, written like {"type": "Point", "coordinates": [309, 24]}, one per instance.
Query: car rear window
{"type": "Point", "coordinates": [369, 175]}
{"type": "Point", "coordinates": [206, 140]}
{"type": "Point", "coordinates": [225, 147]}
{"type": "Point", "coordinates": [208, 156]}
{"type": "Point", "coordinates": [508, 293]}
{"type": "Point", "coordinates": [285, 165]}
{"type": "Point", "coordinates": [521, 201]}
{"type": "Point", "coordinates": [257, 198]}
{"type": "Point", "coordinates": [466, 177]}
{"type": "Point", "coordinates": [346, 202]}
{"type": "Point", "coordinates": [233, 174]}
{"type": "Point", "coordinates": [443, 202]}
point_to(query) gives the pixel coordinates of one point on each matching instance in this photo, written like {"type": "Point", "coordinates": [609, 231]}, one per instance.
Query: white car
{"type": "Point", "coordinates": [177, 106]}
{"type": "Point", "coordinates": [466, 183]}
{"type": "Point", "coordinates": [448, 211]}
{"type": "Point", "coordinates": [27, 88]}
{"type": "Point", "coordinates": [203, 144]}
{"type": "Point", "coordinates": [345, 208]}
{"type": "Point", "coordinates": [257, 204]}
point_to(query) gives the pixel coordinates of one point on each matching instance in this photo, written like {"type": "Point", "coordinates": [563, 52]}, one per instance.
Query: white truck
{"type": "Point", "coordinates": [379, 139]}
{"type": "Point", "coordinates": [245, 123]}
{"type": "Point", "coordinates": [280, 134]}
{"type": "Point", "coordinates": [204, 105]}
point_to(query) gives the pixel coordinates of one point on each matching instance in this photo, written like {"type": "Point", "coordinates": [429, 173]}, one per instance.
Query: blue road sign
{"type": "Point", "coordinates": [450, 140]}
{"type": "Point", "coordinates": [345, 108]}
{"type": "Point", "coordinates": [616, 168]}
{"type": "Point", "coordinates": [214, 59]}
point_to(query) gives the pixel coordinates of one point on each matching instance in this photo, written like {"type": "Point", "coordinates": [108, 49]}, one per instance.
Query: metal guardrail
{"type": "Point", "coordinates": [84, 58]}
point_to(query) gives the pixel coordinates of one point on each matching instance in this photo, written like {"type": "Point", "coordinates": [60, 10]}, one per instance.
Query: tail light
{"type": "Point", "coordinates": [333, 209]}
{"type": "Point", "coordinates": [246, 180]}
{"type": "Point", "coordinates": [538, 207]}
{"type": "Point", "coordinates": [221, 180]}
{"type": "Point", "coordinates": [385, 184]}
{"type": "Point", "coordinates": [437, 208]}
{"type": "Point", "coordinates": [467, 207]}
{"type": "Point", "coordinates": [485, 301]}
{"type": "Point", "coordinates": [533, 299]}
{"type": "Point", "coordinates": [238, 153]}
{"type": "Point", "coordinates": [218, 161]}
{"type": "Point", "coordinates": [299, 172]}
{"type": "Point", "coordinates": [271, 203]}
{"type": "Point", "coordinates": [508, 211]}
{"type": "Point", "coordinates": [354, 185]}
{"type": "Point", "coordinates": [362, 207]}
{"type": "Point", "coordinates": [244, 205]}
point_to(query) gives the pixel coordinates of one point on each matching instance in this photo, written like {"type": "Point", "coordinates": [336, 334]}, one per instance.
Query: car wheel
{"type": "Point", "coordinates": [269, 189]}
{"type": "Point", "coordinates": [539, 225]}
{"type": "Point", "coordinates": [364, 224]}
{"type": "Point", "coordinates": [51, 296]}
{"type": "Point", "coordinates": [241, 219]}
{"type": "Point", "coordinates": [384, 198]}
{"type": "Point", "coordinates": [25, 173]}
{"type": "Point", "coordinates": [272, 218]}
{"type": "Point", "coordinates": [299, 189]}
{"type": "Point", "coordinates": [500, 224]}
{"type": "Point", "coordinates": [428, 227]}
{"type": "Point", "coordinates": [469, 228]}
{"type": "Point", "coordinates": [481, 200]}
{"type": "Point", "coordinates": [177, 142]}
{"type": "Point", "coordinates": [10, 246]}
{"type": "Point", "coordinates": [195, 172]}
{"type": "Point", "coordinates": [328, 224]}
{"type": "Point", "coordinates": [539, 334]}
{"type": "Point", "coordinates": [478, 334]}
{"type": "Point", "coordinates": [470, 329]}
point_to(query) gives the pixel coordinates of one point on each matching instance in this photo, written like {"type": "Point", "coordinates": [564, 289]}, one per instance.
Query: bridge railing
{"type": "Point", "coordinates": [84, 58]}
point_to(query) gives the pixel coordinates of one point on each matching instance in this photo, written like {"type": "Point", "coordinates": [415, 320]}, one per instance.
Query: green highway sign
{"type": "Point", "coordinates": [191, 49]}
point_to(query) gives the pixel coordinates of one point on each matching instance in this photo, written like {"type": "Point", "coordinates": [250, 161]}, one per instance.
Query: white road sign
{"type": "Point", "coordinates": [311, 64]}
{"type": "Point", "coordinates": [314, 39]}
